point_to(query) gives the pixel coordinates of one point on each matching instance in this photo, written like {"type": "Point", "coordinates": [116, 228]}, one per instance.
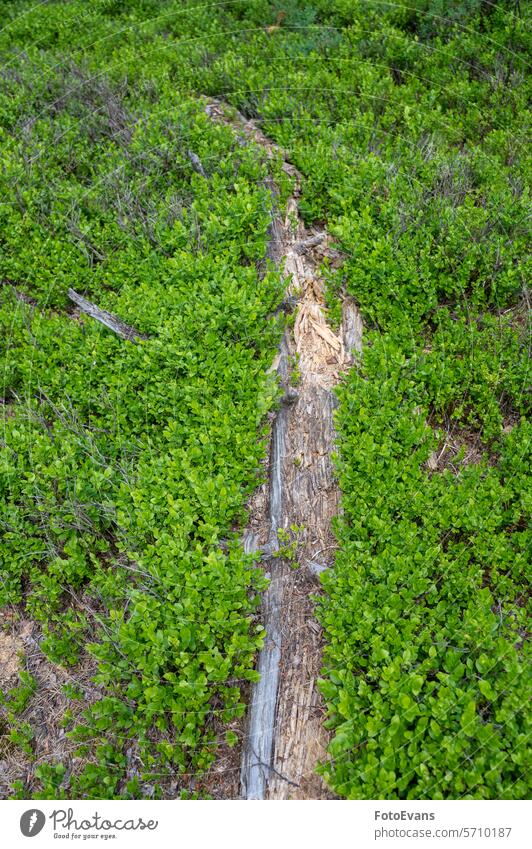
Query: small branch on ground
{"type": "Point", "coordinates": [196, 163]}
{"type": "Point", "coordinates": [106, 318]}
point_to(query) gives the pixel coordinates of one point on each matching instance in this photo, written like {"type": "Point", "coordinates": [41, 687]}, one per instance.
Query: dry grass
{"type": "Point", "coordinates": [20, 649]}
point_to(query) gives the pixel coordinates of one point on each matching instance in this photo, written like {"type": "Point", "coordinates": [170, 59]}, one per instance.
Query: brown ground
{"type": "Point", "coordinates": [46, 708]}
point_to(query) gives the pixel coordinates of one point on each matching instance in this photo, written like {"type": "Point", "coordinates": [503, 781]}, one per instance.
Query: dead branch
{"type": "Point", "coordinates": [106, 318]}
{"type": "Point", "coordinates": [196, 163]}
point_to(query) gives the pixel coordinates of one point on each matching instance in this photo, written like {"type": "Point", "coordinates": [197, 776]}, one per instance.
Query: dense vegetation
{"type": "Point", "coordinates": [122, 472]}
{"type": "Point", "coordinates": [126, 466]}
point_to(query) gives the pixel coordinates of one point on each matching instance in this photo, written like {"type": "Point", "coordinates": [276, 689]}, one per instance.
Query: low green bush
{"type": "Point", "coordinates": [124, 466]}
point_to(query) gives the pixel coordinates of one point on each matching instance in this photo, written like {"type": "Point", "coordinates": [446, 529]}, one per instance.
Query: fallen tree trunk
{"type": "Point", "coordinates": [286, 737]}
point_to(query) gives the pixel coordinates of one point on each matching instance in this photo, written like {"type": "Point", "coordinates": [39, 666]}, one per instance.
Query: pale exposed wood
{"type": "Point", "coordinates": [106, 318]}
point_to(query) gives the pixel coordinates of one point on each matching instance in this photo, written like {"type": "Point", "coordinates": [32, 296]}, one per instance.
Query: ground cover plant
{"type": "Point", "coordinates": [122, 473]}
{"type": "Point", "coordinates": [126, 466]}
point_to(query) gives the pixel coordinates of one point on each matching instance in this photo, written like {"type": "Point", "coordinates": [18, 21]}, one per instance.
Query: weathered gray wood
{"type": "Point", "coordinates": [305, 244]}
{"type": "Point", "coordinates": [257, 758]}
{"type": "Point", "coordinates": [125, 331]}
{"type": "Point", "coordinates": [257, 761]}
{"type": "Point", "coordinates": [196, 163]}
{"type": "Point", "coordinates": [352, 329]}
